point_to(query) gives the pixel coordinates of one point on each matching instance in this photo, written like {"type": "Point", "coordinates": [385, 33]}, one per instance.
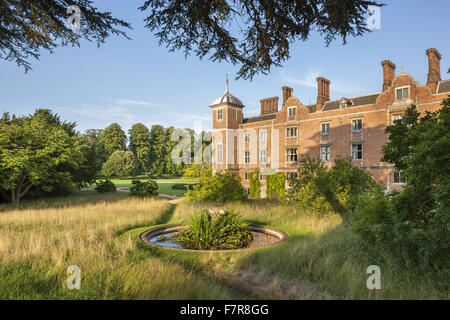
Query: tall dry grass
{"type": "Point", "coordinates": [37, 246]}
{"type": "Point", "coordinates": [323, 259]}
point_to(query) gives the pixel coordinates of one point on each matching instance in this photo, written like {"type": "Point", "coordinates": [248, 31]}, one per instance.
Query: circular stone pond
{"type": "Point", "coordinates": [162, 237]}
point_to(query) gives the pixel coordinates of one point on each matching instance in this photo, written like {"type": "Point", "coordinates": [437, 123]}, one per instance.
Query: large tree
{"type": "Point", "coordinates": [27, 27]}
{"type": "Point", "coordinates": [255, 34]}
{"type": "Point", "coordinates": [39, 151]}
{"type": "Point", "coordinates": [121, 164]}
{"type": "Point", "coordinates": [158, 141]}
{"type": "Point", "coordinates": [113, 138]}
{"type": "Point", "coordinates": [140, 145]}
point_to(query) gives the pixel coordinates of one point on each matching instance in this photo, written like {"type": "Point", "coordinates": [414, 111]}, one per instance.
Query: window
{"type": "Point", "coordinates": [356, 125]}
{"type": "Point", "coordinates": [292, 111]}
{"type": "Point", "coordinates": [325, 153]}
{"type": "Point", "coordinates": [342, 106]}
{"type": "Point", "coordinates": [262, 176]}
{"type": "Point", "coordinates": [291, 175]}
{"type": "Point", "coordinates": [219, 114]}
{"type": "Point", "coordinates": [291, 132]}
{"type": "Point", "coordinates": [234, 114]}
{"type": "Point", "coordinates": [357, 151]}
{"type": "Point", "coordinates": [398, 177]}
{"type": "Point", "coordinates": [219, 153]}
{"type": "Point", "coordinates": [397, 117]}
{"type": "Point", "coordinates": [263, 156]}
{"type": "Point", "coordinates": [402, 93]}
{"type": "Point", "coordinates": [325, 128]}
{"type": "Point", "coordinates": [291, 155]}
{"type": "Point", "coordinates": [262, 135]}
{"type": "Point", "coordinates": [245, 176]}
{"type": "Point", "coordinates": [247, 157]}
{"type": "Point", "coordinates": [247, 137]}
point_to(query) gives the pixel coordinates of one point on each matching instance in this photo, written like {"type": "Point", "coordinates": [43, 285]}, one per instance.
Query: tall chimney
{"type": "Point", "coordinates": [434, 69]}
{"type": "Point", "coordinates": [323, 92]}
{"type": "Point", "coordinates": [269, 105]}
{"type": "Point", "coordinates": [287, 93]}
{"type": "Point", "coordinates": [388, 74]}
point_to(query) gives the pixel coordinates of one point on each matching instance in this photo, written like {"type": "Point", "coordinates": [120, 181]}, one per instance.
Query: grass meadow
{"type": "Point", "coordinates": [322, 259]}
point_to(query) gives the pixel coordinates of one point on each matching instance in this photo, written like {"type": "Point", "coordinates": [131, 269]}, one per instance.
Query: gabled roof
{"type": "Point", "coordinates": [356, 101]}
{"type": "Point", "coordinates": [444, 86]}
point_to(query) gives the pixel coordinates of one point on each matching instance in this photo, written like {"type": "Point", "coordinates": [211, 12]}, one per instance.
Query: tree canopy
{"type": "Point", "coordinates": [255, 34]}
{"type": "Point", "coordinates": [40, 151]}
{"type": "Point", "coordinates": [252, 33]}
{"type": "Point", "coordinates": [27, 27]}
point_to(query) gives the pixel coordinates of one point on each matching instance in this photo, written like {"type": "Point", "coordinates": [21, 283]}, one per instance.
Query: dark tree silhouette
{"type": "Point", "coordinates": [27, 27]}
{"type": "Point", "coordinates": [255, 34]}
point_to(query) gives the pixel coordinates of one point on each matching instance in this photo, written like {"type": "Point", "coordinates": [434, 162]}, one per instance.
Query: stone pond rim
{"type": "Point", "coordinates": [145, 236]}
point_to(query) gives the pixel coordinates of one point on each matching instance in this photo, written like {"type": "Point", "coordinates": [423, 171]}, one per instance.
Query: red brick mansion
{"type": "Point", "coordinates": [354, 127]}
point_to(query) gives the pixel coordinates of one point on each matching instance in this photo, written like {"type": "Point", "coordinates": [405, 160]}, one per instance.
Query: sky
{"type": "Point", "coordinates": [131, 81]}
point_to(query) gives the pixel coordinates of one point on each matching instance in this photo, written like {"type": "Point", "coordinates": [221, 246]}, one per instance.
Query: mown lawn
{"type": "Point", "coordinates": [323, 259]}
{"type": "Point", "coordinates": [164, 185]}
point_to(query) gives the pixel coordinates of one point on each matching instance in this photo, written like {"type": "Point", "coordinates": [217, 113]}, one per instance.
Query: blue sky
{"type": "Point", "coordinates": [130, 81]}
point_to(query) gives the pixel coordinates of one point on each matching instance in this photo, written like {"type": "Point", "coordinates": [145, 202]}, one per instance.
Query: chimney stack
{"type": "Point", "coordinates": [323, 92]}
{"type": "Point", "coordinates": [287, 93]}
{"type": "Point", "coordinates": [388, 74]}
{"type": "Point", "coordinates": [269, 105]}
{"type": "Point", "coordinates": [434, 69]}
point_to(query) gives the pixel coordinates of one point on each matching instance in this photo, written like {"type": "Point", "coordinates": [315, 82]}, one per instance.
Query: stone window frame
{"type": "Point", "coordinates": [247, 137]}
{"type": "Point", "coordinates": [245, 176]}
{"type": "Point", "coordinates": [291, 136]}
{"type": "Point", "coordinates": [400, 174]}
{"type": "Point", "coordinates": [362, 151]}
{"type": "Point", "coordinates": [328, 152]}
{"type": "Point", "coordinates": [289, 156]}
{"type": "Point", "coordinates": [294, 112]}
{"type": "Point", "coordinates": [393, 115]}
{"type": "Point", "coordinates": [402, 88]}
{"type": "Point", "coordinates": [356, 119]}
{"type": "Point", "coordinates": [321, 127]}
{"type": "Point", "coordinates": [263, 158]}
{"type": "Point", "coordinates": [219, 111]}
{"type": "Point", "coordinates": [247, 157]}
{"type": "Point", "coordinates": [234, 113]}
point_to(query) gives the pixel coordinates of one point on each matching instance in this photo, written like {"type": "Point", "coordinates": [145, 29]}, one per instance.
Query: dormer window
{"type": "Point", "coordinates": [402, 93]}
{"type": "Point", "coordinates": [342, 106]}
{"type": "Point", "coordinates": [219, 114]}
{"type": "Point", "coordinates": [292, 111]}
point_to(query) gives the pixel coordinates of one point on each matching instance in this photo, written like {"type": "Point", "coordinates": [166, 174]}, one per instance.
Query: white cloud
{"type": "Point", "coordinates": [134, 103]}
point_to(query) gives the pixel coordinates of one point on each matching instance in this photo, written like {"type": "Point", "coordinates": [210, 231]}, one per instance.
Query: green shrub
{"type": "Point", "coordinates": [221, 187]}
{"type": "Point", "coordinates": [339, 188]}
{"type": "Point", "coordinates": [255, 184]}
{"type": "Point", "coordinates": [182, 186]}
{"type": "Point", "coordinates": [103, 186]}
{"type": "Point", "coordinates": [220, 231]}
{"type": "Point", "coordinates": [144, 189]}
{"type": "Point", "coordinates": [120, 164]}
{"type": "Point", "coordinates": [275, 186]}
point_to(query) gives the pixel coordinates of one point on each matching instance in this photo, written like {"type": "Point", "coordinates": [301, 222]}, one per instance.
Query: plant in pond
{"type": "Point", "coordinates": [224, 230]}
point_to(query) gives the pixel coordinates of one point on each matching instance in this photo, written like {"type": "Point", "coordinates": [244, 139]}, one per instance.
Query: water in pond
{"type": "Point", "coordinates": [259, 240]}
